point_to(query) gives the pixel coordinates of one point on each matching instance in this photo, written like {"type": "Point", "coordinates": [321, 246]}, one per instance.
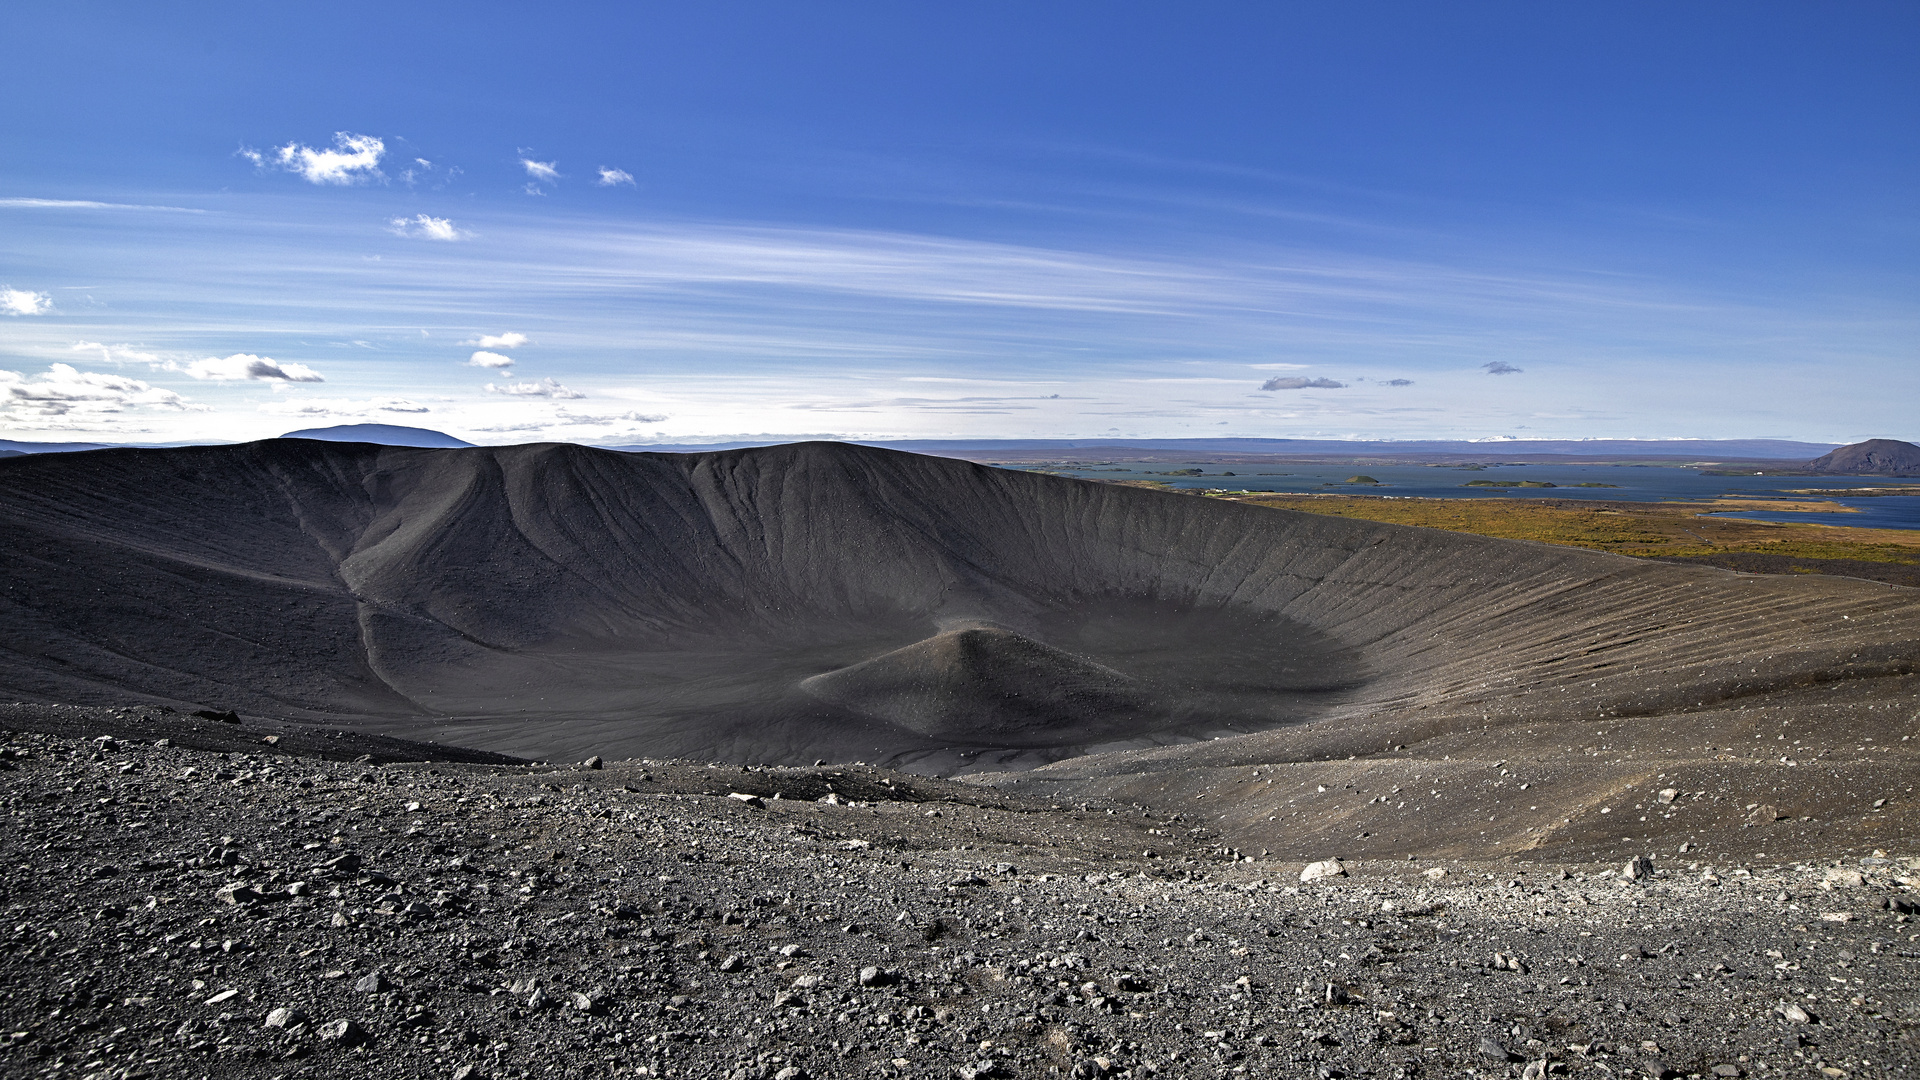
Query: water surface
{"type": "Point", "coordinates": [1631, 483]}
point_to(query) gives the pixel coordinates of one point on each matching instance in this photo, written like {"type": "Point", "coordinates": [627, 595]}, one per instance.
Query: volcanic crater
{"type": "Point", "coordinates": [827, 601]}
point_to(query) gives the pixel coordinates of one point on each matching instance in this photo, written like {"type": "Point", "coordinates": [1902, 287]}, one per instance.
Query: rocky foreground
{"type": "Point", "coordinates": [179, 912]}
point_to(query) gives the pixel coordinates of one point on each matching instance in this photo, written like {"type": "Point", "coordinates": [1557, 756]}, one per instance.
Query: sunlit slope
{"type": "Point", "coordinates": [556, 597]}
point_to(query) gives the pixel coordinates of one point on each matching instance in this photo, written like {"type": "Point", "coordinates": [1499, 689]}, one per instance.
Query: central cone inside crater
{"type": "Point", "coordinates": [988, 683]}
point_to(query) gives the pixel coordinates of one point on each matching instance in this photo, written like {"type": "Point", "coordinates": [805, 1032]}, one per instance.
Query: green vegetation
{"type": "Point", "coordinates": [1666, 530]}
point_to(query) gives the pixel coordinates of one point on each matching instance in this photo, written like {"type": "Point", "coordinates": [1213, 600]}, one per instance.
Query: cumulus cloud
{"type": "Point", "coordinates": [489, 360]}
{"type": "Point", "coordinates": [1298, 383]}
{"type": "Point", "coordinates": [545, 388]}
{"type": "Point", "coordinates": [24, 302]}
{"type": "Point", "coordinates": [64, 389]}
{"type": "Point", "coordinates": [508, 340]}
{"type": "Point", "coordinates": [1501, 367]}
{"type": "Point", "coordinates": [428, 228]}
{"type": "Point", "coordinates": [352, 159]}
{"type": "Point", "coordinates": [612, 177]}
{"type": "Point", "coordinates": [246, 367]}
{"type": "Point", "coordinates": [1398, 382]}
{"type": "Point", "coordinates": [546, 172]}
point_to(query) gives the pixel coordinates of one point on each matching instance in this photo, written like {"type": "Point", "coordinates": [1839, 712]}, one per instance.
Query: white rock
{"type": "Point", "coordinates": [1325, 868]}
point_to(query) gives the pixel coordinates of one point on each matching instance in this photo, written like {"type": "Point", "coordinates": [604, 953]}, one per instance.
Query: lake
{"type": "Point", "coordinates": [1635, 483]}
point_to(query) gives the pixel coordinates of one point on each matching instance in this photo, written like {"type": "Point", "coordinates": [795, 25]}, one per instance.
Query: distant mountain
{"type": "Point", "coordinates": [1875, 457]}
{"type": "Point", "coordinates": [381, 435]}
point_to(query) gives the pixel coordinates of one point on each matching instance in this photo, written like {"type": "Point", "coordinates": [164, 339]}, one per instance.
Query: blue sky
{"type": "Point", "coordinates": [629, 222]}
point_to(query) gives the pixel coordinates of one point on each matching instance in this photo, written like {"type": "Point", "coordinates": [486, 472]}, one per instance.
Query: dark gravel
{"type": "Point", "coordinates": [178, 912]}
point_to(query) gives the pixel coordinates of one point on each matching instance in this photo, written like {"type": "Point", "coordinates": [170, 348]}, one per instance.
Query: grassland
{"type": "Point", "coordinates": [1673, 531]}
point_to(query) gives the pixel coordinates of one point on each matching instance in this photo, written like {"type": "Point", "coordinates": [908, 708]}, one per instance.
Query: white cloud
{"type": "Point", "coordinates": [120, 354]}
{"type": "Point", "coordinates": [422, 171]}
{"type": "Point", "coordinates": [547, 172]}
{"type": "Point", "coordinates": [23, 302]}
{"type": "Point", "coordinates": [1501, 367]}
{"type": "Point", "coordinates": [64, 389]}
{"type": "Point", "coordinates": [489, 360]}
{"type": "Point", "coordinates": [564, 419]}
{"type": "Point", "coordinates": [611, 177]}
{"type": "Point", "coordinates": [590, 419]}
{"type": "Point", "coordinates": [244, 367]}
{"type": "Point", "coordinates": [545, 388]}
{"type": "Point", "coordinates": [1301, 383]}
{"type": "Point", "coordinates": [341, 407]}
{"type": "Point", "coordinates": [429, 228]}
{"type": "Point", "coordinates": [508, 340]}
{"type": "Point", "coordinates": [351, 160]}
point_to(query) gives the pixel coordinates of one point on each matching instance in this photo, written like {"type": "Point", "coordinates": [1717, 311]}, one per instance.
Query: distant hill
{"type": "Point", "coordinates": [48, 447]}
{"type": "Point", "coordinates": [381, 435]}
{"type": "Point", "coordinates": [1184, 449]}
{"type": "Point", "coordinates": [1875, 457]}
